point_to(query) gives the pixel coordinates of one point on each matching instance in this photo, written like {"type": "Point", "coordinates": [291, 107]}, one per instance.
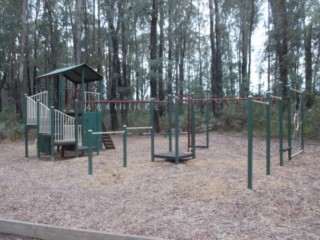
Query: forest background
{"type": "Point", "coordinates": [153, 48]}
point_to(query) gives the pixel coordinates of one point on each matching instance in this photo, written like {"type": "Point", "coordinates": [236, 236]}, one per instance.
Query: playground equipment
{"type": "Point", "coordinates": [124, 136]}
{"type": "Point", "coordinates": [54, 112]}
{"type": "Point", "coordinates": [151, 105]}
{"type": "Point", "coordinates": [295, 124]}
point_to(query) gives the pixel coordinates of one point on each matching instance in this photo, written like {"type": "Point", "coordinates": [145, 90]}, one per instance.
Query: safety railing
{"type": "Point", "coordinates": [31, 104]}
{"type": "Point", "coordinates": [44, 119]}
{"type": "Point", "coordinates": [64, 126]}
{"type": "Point", "coordinates": [42, 97]}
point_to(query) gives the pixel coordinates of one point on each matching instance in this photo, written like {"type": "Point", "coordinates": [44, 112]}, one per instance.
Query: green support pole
{"type": "Point", "coordinates": [176, 130]}
{"type": "Point", "coordinates": [289, 121]}
{"type": "Point", "coordinates": [90, 152]}
{"type": "Point", "coordinates": [38, 128]}
{"type": "Point", "coordinates": [82, 89]}
{"type": "Point", "coordinates": [76, 130]}
{"type": "Point", "coordinates": [193, 125]}
{"type": "Point", "coordinates": [250, 140]}
{"type": "Point", "coordinates": [170, 123]}
{"type": "Point", "coordinates": [152, 128]}
{"type": "Point", "coordinates": [61, 94]}
{"type": "Point", "coordinates": [26, 127]}
{"type": "Point", "coordinates": [302, 122]}
{"type": "Point", "coordinates": [50, 93]}
{"type": "Point", "coordinates": [52, 133]}
{"type": "Point", "coordinates": [268, 129]}
{"type": "Point", "coordinates": [125, 146]}
{"type": "Point", "coordinates": [207, 124]}
{"type": "Point", "coordinates": [280, 105]}
{"type": "Point", "coordinates": [98, 126]}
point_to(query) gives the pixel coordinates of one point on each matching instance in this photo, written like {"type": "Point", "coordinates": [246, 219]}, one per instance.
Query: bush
{"type": "Point", "coordinates": [10, 127]}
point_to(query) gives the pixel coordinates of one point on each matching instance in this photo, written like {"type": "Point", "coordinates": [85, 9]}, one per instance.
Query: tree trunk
{"type": "Point", "coordinates": [279, 17]}
{"type": "Point", "coordinates": [170, 46]}
{"type": "Point", "coordinates": [308, 65]}
{"type": "Point", "coordinates": [77, 36]}
{"type": "Point", "coordinates": [153, 59]}
{"type": "Point", "coordinates": [125, 93]}
{"type": "Point", "coordinates": [114, 64]}
{"type": "Point", "coordinates": [161, 50]}
{"type": "Point", "coordinates": [216, 61]}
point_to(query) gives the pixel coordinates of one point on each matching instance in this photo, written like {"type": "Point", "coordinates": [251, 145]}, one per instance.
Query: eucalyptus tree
{"type": "Point", "coordinates": [280, 36]}
{"type": "Point", "coordinates": [216, 54]}
{"type": "Point", "coordinates": [10, 29]}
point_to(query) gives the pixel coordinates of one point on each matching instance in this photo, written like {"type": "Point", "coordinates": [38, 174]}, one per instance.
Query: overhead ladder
{"type": "Point", "coordinates": [106, 138]}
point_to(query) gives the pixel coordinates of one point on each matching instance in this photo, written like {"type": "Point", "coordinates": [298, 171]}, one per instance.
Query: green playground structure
{"type": "Point", "coordinates": [294, 122]}
{"type": "Point", "coordinates": [54, 111]}
{"type": "Point", "coordinates": [66, 112]}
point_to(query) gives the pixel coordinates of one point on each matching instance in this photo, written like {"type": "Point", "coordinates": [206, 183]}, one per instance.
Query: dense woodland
{"type": "Point", "coordinates": [152, 48]}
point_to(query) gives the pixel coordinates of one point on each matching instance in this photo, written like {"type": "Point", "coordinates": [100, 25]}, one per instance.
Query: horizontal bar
{"type": "Point", "coordinates": [295, 90]}
{"type": "Point", "coordinates": [276, 97]}
{"type": "Point", "coordinates": [297, 153]}
{"type": "Point", "coordinates": [114, 132]}
{"type": "Point", "coordinates": [256, 101]}
{"type": "Point", "coordinates": [122, 101]}
{"type": "Point", "coordinates": [137, 128]}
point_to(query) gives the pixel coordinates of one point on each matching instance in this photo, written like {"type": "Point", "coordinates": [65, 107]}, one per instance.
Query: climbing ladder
{"type": "Point", "coordinates": [106, 138]}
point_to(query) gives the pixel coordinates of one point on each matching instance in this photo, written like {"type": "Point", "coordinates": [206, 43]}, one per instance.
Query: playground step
{"type": "Point", "coordinates": [106, 138]}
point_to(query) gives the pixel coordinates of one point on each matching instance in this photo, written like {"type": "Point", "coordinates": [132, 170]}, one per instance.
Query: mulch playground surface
{"type": "Point", "coordinates": [204, 198]}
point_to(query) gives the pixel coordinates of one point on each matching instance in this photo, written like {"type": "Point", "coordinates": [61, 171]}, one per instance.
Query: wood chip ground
{"type": "Point", "coordinates": [205, 198]}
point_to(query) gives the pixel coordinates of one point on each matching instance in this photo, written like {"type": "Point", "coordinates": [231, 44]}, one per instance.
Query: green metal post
{"type": "Point", "coordinates": [170, 124]}
{"type": "Point", "coordinates": [125, 146]}
{"type": "Point", "coordinates": [268, 129]}
{"type": "Point", "coordinates": [26, 127]}
{"type": "Point", "coordinates": [289, 128]}
{"type": "Point", "coordinates": [302, 121]}
{"type": "Point", "coordinates": [61, 94]}
{"type": "Point", "coordinates": [90, 152]}
{"type": "Point", "coordinates": [250, 139]}
{"type": "Point", "coordinates": [152, 128]}
{"type": "Point", "coordinates": [207, 124]}
{"type": "Point", "coordinates": [52, 133]}
{"type": "Point", "coordinates": [76, 130]}
{"type": "Point", "coordinates": [176, 130]}
{"type": "Point", "coordinates": [98, 128]}
{"type": "Point", "coordinates": [280, 105]}
{"type": "Point", "coordinates": [50, 93]}
{"type": "Point", "coordinates": [193, 125]}
{"type": "Point", "coordinates": [38, 128]}
{"type": "Point", "coordinates": [82, 89]}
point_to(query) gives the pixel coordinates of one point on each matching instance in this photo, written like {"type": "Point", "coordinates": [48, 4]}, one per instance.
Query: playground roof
{"type": "Point", "coordinates": [73, 73]}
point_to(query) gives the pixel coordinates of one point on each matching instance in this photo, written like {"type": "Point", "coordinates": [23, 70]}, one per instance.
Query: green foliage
{"type": "Point", "coordinates": [10, 127]}
{"type": "Point", "coordinates": [312, 119]}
